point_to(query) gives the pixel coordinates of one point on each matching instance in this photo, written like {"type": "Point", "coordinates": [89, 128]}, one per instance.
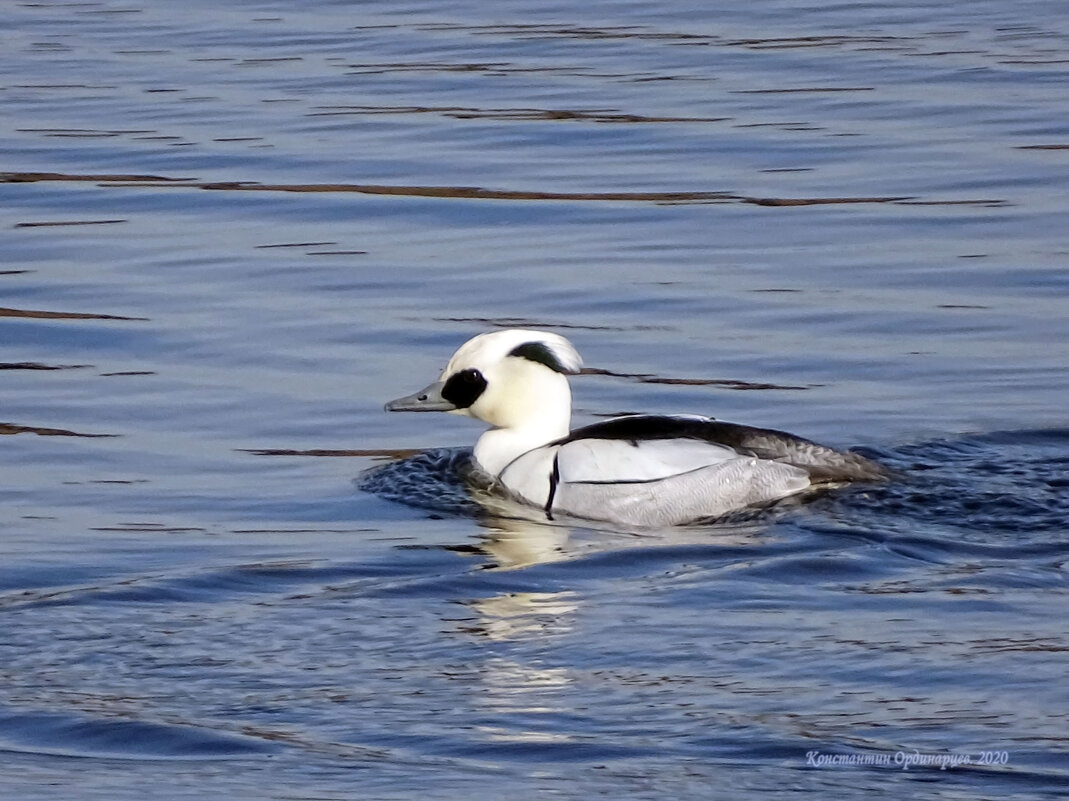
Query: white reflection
{"type": "Point", "coordinates": [511, 688]}
{"type": "Point", "coordinates": [512, 543]}
{"type": "Point", "coordinates": [523, 615]}
{"type": "Point", "coordinates": [522, 691]}
{"type": "Point", "coordinates": [516, 542]}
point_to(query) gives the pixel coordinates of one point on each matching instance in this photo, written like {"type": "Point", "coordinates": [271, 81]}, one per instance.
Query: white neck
{"type": "Point", "coordinates": [528, 405]}
{"type": "Point", "coordinates": [498, 447]}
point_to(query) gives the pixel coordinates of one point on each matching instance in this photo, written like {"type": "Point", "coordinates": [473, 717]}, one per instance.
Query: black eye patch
{"type": "Point", "coordinates": [464, 388]}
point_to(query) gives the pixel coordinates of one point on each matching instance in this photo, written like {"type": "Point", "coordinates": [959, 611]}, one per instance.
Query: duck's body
{"type": "Point", "coordinates": [639, 470]}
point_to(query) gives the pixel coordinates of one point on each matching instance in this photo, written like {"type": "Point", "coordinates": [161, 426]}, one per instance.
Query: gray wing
{"type": "Point", "coordinates": [821, 463]}
{"type": "Point", "coordinates": [705, 492]}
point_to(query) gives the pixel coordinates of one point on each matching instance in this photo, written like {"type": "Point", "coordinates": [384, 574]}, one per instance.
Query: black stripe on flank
{"type": "Point", "coordinates": [464, 388]}
{"type": "Point", "coordinates": [554, 480]}
{"type": "Point", "coordinates": [540, 352]}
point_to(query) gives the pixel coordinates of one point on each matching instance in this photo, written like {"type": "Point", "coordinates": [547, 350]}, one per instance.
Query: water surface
{"type": "Point", "coordinates": [230, 234]}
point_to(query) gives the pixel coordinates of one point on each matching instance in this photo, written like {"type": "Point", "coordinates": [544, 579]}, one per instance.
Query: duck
{"type": "Point", "coordinates": [637, 470]}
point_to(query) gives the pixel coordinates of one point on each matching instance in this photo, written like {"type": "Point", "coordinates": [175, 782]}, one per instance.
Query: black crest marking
{"type": "Point", "coordinates": [540, 352]}
{"type": "Point", "coordinates": [464, 388]}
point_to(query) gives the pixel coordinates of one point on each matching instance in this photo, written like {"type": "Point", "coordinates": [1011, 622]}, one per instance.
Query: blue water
{"type": "Point", "coordinates": [230, 232]}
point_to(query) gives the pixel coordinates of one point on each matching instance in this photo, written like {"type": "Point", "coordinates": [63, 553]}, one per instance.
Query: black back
{"type": "Point", "coordinates": [821, 462]}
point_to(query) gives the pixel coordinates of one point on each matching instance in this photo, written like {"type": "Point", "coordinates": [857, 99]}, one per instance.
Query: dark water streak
{"type": "Point", "coordinates": [477, 193]}
{"type": "Point", "coordinates": [229, 234]}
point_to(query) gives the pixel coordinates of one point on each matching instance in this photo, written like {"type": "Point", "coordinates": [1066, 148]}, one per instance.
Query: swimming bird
{"type": "Point", "coordinates": [639, 470]}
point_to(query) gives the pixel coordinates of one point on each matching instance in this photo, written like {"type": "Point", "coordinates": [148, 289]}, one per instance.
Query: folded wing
{"type": "Point", "coordinates": [648, 470]}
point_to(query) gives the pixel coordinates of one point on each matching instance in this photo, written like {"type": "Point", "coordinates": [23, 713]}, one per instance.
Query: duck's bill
{"type": "Point", "coordinates": [428, 399]}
